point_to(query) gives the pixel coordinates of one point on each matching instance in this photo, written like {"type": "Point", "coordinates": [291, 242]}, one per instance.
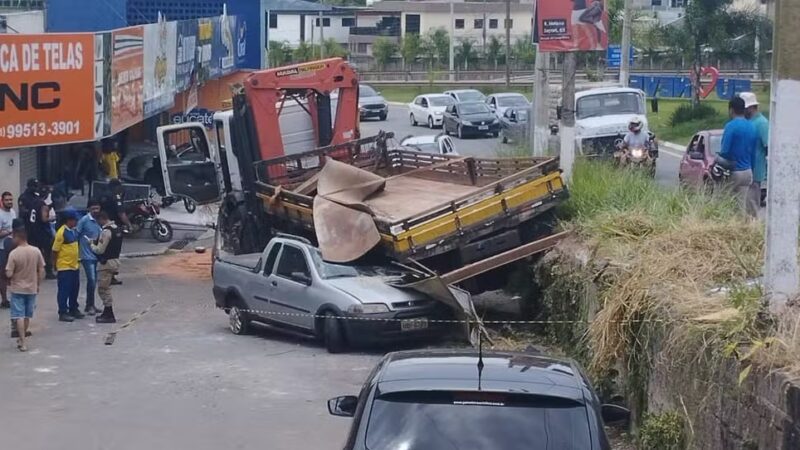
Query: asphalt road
{"type": "Point", "coordinates": [487, 147]}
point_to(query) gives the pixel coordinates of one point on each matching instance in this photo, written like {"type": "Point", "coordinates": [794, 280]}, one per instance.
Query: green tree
{"type": "Point", "coordinates": [303, 52]}
{"type": "Point", "coordinates": [436, 44]}
{"type": "Point", "coordinates": [383, 50]}
{"type": "Point", "coordinates": [523, 50]}
{"type": "Point", "coordinates": [465, 53]}
{"type": "Point", "coordinates": [494, 50]}
{"type": "Point", "coordinates": [279, 54]}
{"type": "Point", "coordinates": [410, 49]}
{"type": "Point", "coordinates": [334, 49]}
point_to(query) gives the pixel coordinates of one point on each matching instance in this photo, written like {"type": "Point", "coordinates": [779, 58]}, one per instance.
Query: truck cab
{"type": "Point", "coordinates": [602, 116]}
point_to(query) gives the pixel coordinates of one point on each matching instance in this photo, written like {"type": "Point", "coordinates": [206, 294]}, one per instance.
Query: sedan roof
{"type": "Point", "coordinates": [502, 372]}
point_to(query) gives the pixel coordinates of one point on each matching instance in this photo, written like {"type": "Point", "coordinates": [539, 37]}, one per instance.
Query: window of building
{"type": "Point", "coordinates": [478, 24]}
{"type": "Point", "coordinates": [509, 23]}
{"type": "Point", "coordinates": [273, 20]}
{"type": "Point", "coordinates": [348, 21]}
{"type": "Point", "coordinates": [412, 23]}
{"type": "Point", "coordinates": [459, 24]}
{"type": "Point", "coordinates": [493, 24]}
{"type": "Point", "coordinates": [362, 48]}
{"type": "Point", "coordinates": [326, 21]}
{"type": "Point", "coordinates": [678, 3]}
{"type": "Point", "coordinates": [655, 3]}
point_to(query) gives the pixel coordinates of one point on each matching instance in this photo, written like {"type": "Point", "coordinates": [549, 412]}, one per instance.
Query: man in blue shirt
{"type": "Point", "coordinates": [738, 147]}
{"type": "Point", "coordinates": [761, 125]}
{"type": "Point", "coordinates": [88, 231]}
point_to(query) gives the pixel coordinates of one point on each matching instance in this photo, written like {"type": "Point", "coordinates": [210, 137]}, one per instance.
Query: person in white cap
{"type": "Point", "coordinates": [761, 125]}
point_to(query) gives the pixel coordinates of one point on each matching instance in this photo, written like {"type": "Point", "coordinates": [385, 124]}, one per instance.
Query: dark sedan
{"type": "Point", "coordinates": [371, 103]}
{"type": "Point", "coordinates": [470, 119]}
{"type": "Point", "coordinates": [430, 400]}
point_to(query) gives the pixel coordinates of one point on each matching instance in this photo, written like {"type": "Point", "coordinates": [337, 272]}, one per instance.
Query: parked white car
{"type": "Point", "coordinates": [432, 143]}
{"type": "Point", "coordinates": [500, 102]}
{"type": "Point", "coordinates": [429, 109]}
{"type": "Point", "coordinates": [466, 95]}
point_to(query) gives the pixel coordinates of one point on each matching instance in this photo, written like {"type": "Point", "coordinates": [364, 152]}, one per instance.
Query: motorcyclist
{"type": "Point", "coordinates": [636, 137]}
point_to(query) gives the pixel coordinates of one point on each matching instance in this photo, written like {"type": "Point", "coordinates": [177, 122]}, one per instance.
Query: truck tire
{"type": "Point", "coordinates": [238, 320]}
{"type": "Point", "coordinates": [333, 334]}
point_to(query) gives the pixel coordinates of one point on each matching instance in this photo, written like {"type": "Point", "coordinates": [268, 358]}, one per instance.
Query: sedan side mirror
{"type": "Point", "coordinates": [344, 406]}
{"type": "Point", "coordinates": [614, 413]}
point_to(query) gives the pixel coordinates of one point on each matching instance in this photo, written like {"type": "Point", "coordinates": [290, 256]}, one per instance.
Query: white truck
{"type": "Point", "coordinates": [602, 116]}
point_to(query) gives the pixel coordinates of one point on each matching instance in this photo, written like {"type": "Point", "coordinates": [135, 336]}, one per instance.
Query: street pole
{"type": "Point", "coordinates": [484, 28]}
{"type": "Point", "coordinates": [508, 42]}
{"type": "Point", "coordinates": [452, 39]}
{"type": "Point", "coordinates": [567, 129]}
{"type": "Point", "coordinates": [541, 106]}
{"type": "Point", "coordinates": [321, 38]}
{"type": "Point", "coordinates": [781, 273]}
{"type": "Point", "coordinates": [624, 65]}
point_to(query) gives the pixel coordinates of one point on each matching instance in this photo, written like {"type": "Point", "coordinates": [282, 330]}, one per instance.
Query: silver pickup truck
{"type": "Point", "coordinates": [289, 285]}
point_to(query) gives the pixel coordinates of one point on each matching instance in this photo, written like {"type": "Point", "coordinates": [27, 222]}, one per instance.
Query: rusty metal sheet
{"type": "Point", "coordinates": [343, 223]}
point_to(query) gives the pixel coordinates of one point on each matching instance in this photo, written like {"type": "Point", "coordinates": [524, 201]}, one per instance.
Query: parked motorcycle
{"type": "Point", "coordinates": [145, 213]}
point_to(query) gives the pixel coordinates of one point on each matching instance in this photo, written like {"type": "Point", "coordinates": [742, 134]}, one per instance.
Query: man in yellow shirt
{"type": "Point", "coordinates": [66, 257]}
{"type": "Point", "coordinates": [111, 159]}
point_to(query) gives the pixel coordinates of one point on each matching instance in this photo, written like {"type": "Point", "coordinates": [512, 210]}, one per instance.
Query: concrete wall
{"type": "Point", "coordinates": [25, 22]}
{"type": "Point", "coordinates": [761, 414]}
{"type": "Point", "coordinates": [10, 170]}
{"type": "Point", "coordinates": [289, 29]}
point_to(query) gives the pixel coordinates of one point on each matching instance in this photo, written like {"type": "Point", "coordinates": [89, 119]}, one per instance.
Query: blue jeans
{"type": "Point", "coordinates": [69, 284]}
{"type": "Point", "coordinates": [22, 306]}
{"type": "Point", "coordinates": [90, 269]}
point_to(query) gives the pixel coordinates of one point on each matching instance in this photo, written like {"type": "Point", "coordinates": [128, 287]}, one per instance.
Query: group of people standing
{"type": "Point", "coordinates": [32, 250]}
{"type": "Point", "coordinates": [745, 145]}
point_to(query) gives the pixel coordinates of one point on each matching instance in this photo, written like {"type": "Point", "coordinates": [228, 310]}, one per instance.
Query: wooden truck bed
{"type": "Point", "coordinates": [431, 204]}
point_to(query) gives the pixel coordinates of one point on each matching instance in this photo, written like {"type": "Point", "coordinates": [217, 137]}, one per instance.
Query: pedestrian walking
{"type": "Point", "coordinates": [89, 230]}
{"type": "Point", "coordinates": [7, 217]}
{"type": "Point", "coordinates": [738, 145]}
{"type": "Point", "coordinates": [67, 259]}
{"type": "Point", "coordinates": [107, 248]}
{"type": "Point", "coordinates": [761, 125]}
{"type": "Point", "coordinates": [25, 270]}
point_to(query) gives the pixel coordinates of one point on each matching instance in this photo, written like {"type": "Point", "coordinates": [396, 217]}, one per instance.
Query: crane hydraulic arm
{"type": "Point", "coordinates": [311, 86]}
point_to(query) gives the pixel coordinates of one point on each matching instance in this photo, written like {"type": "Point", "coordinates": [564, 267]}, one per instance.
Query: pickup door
{"type": "Point", "coordinates": [292, 296]}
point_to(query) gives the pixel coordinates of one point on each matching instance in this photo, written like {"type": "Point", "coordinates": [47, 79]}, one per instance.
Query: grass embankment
{"type": "Point", "coordinates": [679, 273]}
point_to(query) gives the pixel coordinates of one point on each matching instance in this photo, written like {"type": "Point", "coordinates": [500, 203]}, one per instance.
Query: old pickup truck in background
{"type": "Point", "coordinates": [289, 285]}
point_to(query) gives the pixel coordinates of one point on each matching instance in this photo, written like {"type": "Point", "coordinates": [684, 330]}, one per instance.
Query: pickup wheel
{"type": "Point", "coordinates": [238, 321]}
{"type": "Point", "coordinates": [333, 334]}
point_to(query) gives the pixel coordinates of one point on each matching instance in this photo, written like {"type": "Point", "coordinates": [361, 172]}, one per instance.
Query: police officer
{"type": "Point", "coordinates": [114, 205]}
{"type": "Point", "coordinates": [34, 211]}
{"type": "Point", "coordinates": [107, 248]}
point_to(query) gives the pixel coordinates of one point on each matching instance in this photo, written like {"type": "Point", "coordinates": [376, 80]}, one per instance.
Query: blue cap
{"type": "Point", "coordinates": [69, 213]}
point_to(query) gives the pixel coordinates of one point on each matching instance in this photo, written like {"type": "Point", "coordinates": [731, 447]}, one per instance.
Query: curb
{"type": "Point", "coordinates": [397, 103]}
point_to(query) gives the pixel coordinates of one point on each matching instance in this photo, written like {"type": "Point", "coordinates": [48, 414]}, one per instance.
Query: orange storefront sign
{"type": "Point", "coordinates": [46, 89]}
{"type": "Point", "coordinates": [127, 78]}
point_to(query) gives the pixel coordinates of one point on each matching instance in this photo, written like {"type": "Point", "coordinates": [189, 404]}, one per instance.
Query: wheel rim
{"type": "Point", "coordinates": [162, 229]}
{"type": "Point", "coordinates": [235, 320]}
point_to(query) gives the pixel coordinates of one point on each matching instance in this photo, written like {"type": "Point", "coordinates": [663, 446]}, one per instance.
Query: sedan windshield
{"type": "Point", "coordinates": [366, 91]}
{"type": "Point", "coordinates": [441, 101]}
{"type": "Point", "coordinates": [425, 147]}
{"type": "Point", "coordinates": [609, 104]}
{"type": "Point", "coordinates": [474, 108]}
{"type": "Point", "coordinates": [512, 100]}
{"type": "Point", "coordinates": [476, 421]}
{"type": "Point", "coordinates": [329, 270]}
{"type": "Point", "coordinates": [471, 96]}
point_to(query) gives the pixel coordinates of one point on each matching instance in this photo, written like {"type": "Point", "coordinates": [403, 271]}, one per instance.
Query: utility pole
{"type": "Point", "coordinates": [540, 117]}
{"type": "Point", "coordinates": [321, 38]}
{"type": "Point", "coordinates": [484, 28]}
{"type": "Point", "coordinates": [452, 39]}
{"type": "Point", "coordinates": [624, 64]}
{"type": "Point", "coordinates": [567, 129]}
{"type": "Point", "coordinates": [508, 42]}
{"type": "Point", "coordinates": [781, 273]}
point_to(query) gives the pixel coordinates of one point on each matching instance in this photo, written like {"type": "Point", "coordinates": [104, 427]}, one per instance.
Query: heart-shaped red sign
{"type": "Point", "coordinates": [708, 80]}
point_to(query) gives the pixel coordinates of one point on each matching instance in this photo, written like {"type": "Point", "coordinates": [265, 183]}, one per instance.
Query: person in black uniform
{"type": "Point", "coordinates": [36, 214]}
{"type": "Point", "coordinates": [113, 204]}
{"type": "Point", "coordinates": [107, 248]}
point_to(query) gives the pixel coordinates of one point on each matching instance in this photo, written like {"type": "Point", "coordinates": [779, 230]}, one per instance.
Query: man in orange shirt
{"type": "Point", "coordinates": [25, 271]}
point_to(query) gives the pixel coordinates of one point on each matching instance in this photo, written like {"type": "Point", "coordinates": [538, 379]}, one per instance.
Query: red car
{"type": "Point", "coordinates": [699, 156]}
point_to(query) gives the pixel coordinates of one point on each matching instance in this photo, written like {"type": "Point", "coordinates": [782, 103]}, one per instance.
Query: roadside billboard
{"type": "Point", "coordinates": [205, 42]}
{"type": "Point", "coordinates": [46, 89]}
{"type": "Point", "coordinates": [127, 78]}
{"type": "Point", "coordinates": [186, 53]}
{"type": "Point", "coordinates": [160, 53]}
{"type": "Point", "coordinates": [569, 26]}
{"type": "Point", "coordinates": [223, 48]}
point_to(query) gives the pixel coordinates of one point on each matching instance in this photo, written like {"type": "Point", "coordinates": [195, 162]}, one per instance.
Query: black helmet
{"type": "Point", "coordinates": [33, 183]}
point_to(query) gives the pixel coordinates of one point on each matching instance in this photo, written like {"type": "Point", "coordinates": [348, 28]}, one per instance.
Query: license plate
{"type": "Point", "coordinates": [414, 324]}
{"type": "Point", "coordinates": [483, 127]}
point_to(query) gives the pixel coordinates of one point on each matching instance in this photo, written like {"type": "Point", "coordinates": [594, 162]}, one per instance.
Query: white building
{"type": "Point", "coordinates": [296, 21]}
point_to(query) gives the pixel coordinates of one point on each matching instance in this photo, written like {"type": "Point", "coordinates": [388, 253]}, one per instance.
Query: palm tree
{"type": "Point", "coordinates": [524, 51]}
{"type": "Point", "coordinates": [383, 51]}
{"type": "Point", "coordinates": [304, 52]}
{"type": "Point", "coordinates": [279, 53]}
{"type": "Point", "coordinates": [410, 49]}
{"type": "Point", "coordinates": [465, 52]}
{"type": "Point", "coordinates": [334, 49]}
{"type": "Point", "coordinates": [494, 49]}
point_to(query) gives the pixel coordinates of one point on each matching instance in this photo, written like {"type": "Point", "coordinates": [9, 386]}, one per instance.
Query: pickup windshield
{"type": "Point", "coordinates": [476, 421]}
{"type": "Point", "coordinates": [444, 100]}
{"type": "Point", "coordinates": [329, 270]}
{"type": "Point", "coordinates": [512, 101]}
{"type": "Point", "coordinates": [609, 104]}
{"type": "Point", "coordinates": [474, 108]}
{"type": "Point", "coordinates": [470, 96]}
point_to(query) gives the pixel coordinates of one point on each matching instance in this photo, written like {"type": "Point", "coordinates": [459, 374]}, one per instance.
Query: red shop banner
{"type": "Point", "coordinates": [572, 25]}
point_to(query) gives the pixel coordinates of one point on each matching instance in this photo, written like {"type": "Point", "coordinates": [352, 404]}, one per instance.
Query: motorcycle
{"type": "Point", "coordinates": [637, 157]}
{"type": "Point", "coordinates": [144, 213]}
